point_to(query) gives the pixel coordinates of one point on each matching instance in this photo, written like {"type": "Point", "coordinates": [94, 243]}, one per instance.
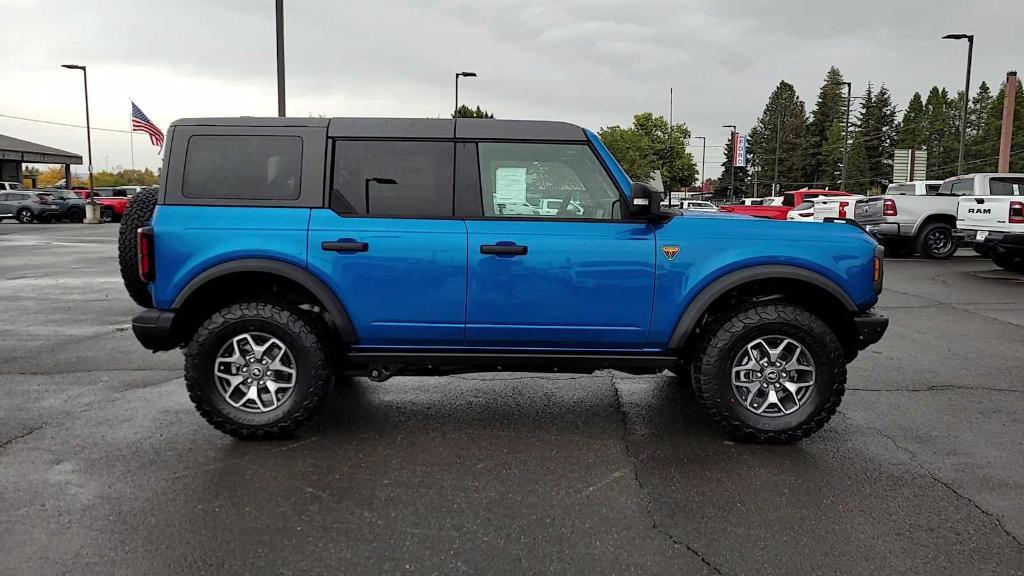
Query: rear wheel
{"type": "Point", "coordinates": [25, 216]}
{"type": "Point", "coordinates": [258, 370]}
{"type": "Point", "coordinates": [106, 215]}
{"type": "Point", "coordinates": [936, 241]}
{"type": "Point", "coordinates": [76, 215]}
{"type": "Point", "coordinates": [1007, 262]}
{"type": "Point", "coordinates": [770, 373]}
{"type": "Point", "coordinates": [138, 214]}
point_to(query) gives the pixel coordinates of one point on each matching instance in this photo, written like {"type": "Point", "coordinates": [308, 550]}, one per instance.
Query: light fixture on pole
{"type": "Point", "coordinates": [732, 160]}
{"type": "Point", "coordinates": [91, 208]}
{"type": "Point", "coordinates": [967, 93]}
{"type": "Point", "coordinates": [457, 76]}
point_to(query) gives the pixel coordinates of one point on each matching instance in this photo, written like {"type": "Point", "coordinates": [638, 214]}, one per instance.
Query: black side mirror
{"type": "Point", "coordinates": [646, 203]}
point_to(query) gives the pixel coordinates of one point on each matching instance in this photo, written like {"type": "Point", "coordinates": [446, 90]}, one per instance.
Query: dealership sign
{"type": "Point", "coordinates": [739, 149]}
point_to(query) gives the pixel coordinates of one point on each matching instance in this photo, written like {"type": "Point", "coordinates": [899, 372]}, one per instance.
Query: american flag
{"type": "Point", "coordinates": [141, 123]}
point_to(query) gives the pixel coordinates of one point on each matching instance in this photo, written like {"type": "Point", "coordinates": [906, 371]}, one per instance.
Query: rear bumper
{"type": "Point", "coordinates": [887, 229]}
{"type": "Point", "coordinates": [870, 328]}
{"type": "Point", "coordinates": [996, 242]}
{"type": "Point", "coordinates": [154, 330]}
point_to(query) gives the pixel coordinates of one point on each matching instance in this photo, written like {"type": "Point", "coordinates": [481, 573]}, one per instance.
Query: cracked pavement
{"type": "Point", "coordinates": [106, 468]}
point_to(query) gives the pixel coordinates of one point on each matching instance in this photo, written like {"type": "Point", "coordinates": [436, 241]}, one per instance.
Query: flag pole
{"type": "Point", "coordinates": [131, 133]}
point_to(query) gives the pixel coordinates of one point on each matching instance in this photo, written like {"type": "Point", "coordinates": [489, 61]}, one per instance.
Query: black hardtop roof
{"type": "Point", "coordinates": [426, 128]}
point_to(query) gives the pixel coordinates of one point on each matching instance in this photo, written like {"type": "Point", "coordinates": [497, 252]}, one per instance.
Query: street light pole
{"type": "Point", "coordinates": [88, 140]}
{"type": "Point", "coordinates": [457, 76]}
{"type": "Point", "coordinates": [280, 57]}
{"type": "Point", "coordinates": [967, 93]}
{"type": "Point", "coordinates": [732, 160]}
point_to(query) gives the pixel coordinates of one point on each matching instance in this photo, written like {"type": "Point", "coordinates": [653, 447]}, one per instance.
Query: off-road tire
{"type": "Point", "coordinates": [304, 338]}
{"type": "Point", "coordinates": [722, 339]}
{"type": "Point", "coordinates": [1010, 263]}
{"type": "Point", "coordinates": [24, 216]}
{"type": "Point", "coordinates": [921, 243]}
{"type": "Point", "coordinates": [138, 214]}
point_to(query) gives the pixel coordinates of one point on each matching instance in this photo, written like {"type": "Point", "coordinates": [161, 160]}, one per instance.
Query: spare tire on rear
{"type": "Point", "coordinates": [136, 215]}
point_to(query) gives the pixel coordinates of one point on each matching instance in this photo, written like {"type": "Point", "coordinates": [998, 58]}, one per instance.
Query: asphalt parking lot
{"type": "Point", "coordinates": [106, 468]}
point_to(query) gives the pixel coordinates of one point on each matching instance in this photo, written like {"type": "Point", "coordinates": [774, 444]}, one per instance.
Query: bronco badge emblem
{"type": "Point", "coordinates": [670, 251]}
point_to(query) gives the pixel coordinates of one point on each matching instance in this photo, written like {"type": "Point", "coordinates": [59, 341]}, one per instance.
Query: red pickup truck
{"type": "Point", "coordinates": [789, 201]}
{"type": "Point", "coordinates": [112, 201]}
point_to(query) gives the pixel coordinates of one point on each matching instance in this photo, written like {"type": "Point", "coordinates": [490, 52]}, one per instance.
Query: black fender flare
{"type": "Point", "coordinates": [700, 304]}
{"type": "Point", "coordinates": [337, 315]}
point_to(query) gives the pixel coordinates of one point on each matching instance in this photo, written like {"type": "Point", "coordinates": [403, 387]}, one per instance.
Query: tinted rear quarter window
{"type": "Point", "coordinates": [243, 167]}
{"type": "Point", "coordinates": [398, 179]}
{"type": "Point", "coordinates": [1006, 186]}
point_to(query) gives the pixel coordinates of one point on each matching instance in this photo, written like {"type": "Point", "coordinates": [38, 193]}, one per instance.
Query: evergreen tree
{"type": "Point", "coordinates": [829, 109]}
{"type": "Point", "coordinates": [942, 137]}
{"type": "Point", "coordinates": [858, 177]}
{"type": "Point", "coordinates": [988, 150]}
{"type": "Point", "coordinates": [913, 131]}
{"type": "Point", "coordinates": [780, 131]}
{"type": "Point", "coordinates": [724, 184]}
{"type": "Point", "coordinates": [464, 111]}
{"type": "Point", "coordinates": [878, 132]}
{"type": "Point", "coordinates": [978, 147]}
{"type": "Point", "coordinates": [830, 161]}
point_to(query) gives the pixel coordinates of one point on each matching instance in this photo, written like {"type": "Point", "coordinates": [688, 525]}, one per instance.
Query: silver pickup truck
{"type": "Point", "coordinates": [919, 217]}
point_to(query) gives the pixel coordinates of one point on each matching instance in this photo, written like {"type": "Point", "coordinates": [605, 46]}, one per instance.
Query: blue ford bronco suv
{"type": "Point", "coordinates": [283, 252]}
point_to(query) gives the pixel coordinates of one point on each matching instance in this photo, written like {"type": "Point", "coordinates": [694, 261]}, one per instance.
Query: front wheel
{"type": "Point", "coordinates": [770, 373]}
{"type": "Point", "coordinates": [25, 216]}
{"type": "Point", "coordinates": [258, 370]}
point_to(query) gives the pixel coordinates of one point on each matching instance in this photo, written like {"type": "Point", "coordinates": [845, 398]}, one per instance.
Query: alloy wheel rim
{"type": "Point", "coordinates": [939, 242]}
{"type": "Point", "coordinates": [773, 376]}
{"type": "Point", "coordinates": [255, 372]}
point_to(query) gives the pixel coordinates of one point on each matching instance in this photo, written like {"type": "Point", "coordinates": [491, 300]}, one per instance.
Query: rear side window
{"type": "Point", "coordinates": [931, 189]}
{"type": "Point", "coordinates": [393, 179]}
{"type": "Point", "coordinates": [961, 187]}
{"type": "Point", "coordinates": [1006, 186]}
{"type": "Point", "coordinates": [805, 205]}
{"type": "Point", "coordinates": [242, 167]}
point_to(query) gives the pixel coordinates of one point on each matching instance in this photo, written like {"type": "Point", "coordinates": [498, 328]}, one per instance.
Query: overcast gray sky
{"type": "Point", "coordinates": [593, 62]}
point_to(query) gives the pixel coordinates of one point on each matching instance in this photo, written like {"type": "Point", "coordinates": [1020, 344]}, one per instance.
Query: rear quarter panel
{"type": "Point", "coordinates": [192, 239]}
{"type": "Point", "coordinates": [711, 246]}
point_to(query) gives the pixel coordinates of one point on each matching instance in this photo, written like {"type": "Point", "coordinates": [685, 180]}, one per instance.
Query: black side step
{"type": "Point", "coordinates": [497, 362]}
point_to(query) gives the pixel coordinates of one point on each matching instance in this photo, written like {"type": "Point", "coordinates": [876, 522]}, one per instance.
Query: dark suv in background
{"type": "Point", "coordinates": [27, 206]}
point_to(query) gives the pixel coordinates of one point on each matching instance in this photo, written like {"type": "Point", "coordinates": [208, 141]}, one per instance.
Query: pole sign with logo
{"type": "Point", "coordinates": [739, 149]}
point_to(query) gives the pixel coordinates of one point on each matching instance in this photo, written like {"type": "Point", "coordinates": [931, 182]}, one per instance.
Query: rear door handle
{"type": "Point", "coordinates": [503, 249]}
{"type": "Point", "coordinates": [344, 246]}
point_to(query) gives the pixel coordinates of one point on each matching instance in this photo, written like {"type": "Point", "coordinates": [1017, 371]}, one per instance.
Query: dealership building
{"type": "Point", "coordinates": [14, 153]}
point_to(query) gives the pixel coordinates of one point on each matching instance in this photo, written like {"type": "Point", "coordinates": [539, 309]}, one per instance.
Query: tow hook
{"type": "Point", "coordinates": [381, 372]}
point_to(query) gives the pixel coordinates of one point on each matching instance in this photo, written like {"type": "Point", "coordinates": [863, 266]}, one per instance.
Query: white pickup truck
{"type": "Point", "coordinates": [918, 217]}
{"type": "Point", "coordinates": [994, 222]}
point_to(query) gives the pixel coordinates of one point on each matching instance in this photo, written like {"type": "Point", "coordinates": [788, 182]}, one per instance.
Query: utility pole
{"type": "Point", "coordinates": [280, 57]}
{"type": "Point", "coordinates": [1006, 135]}
{"type": "Point", "coordinates": [967, 94]}
{"type": "Point", "coordinates": [92, 213]}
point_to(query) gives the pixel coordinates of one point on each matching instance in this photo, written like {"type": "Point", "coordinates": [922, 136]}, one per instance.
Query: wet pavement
{"type": "Point", "coordinates": [106, 468]}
